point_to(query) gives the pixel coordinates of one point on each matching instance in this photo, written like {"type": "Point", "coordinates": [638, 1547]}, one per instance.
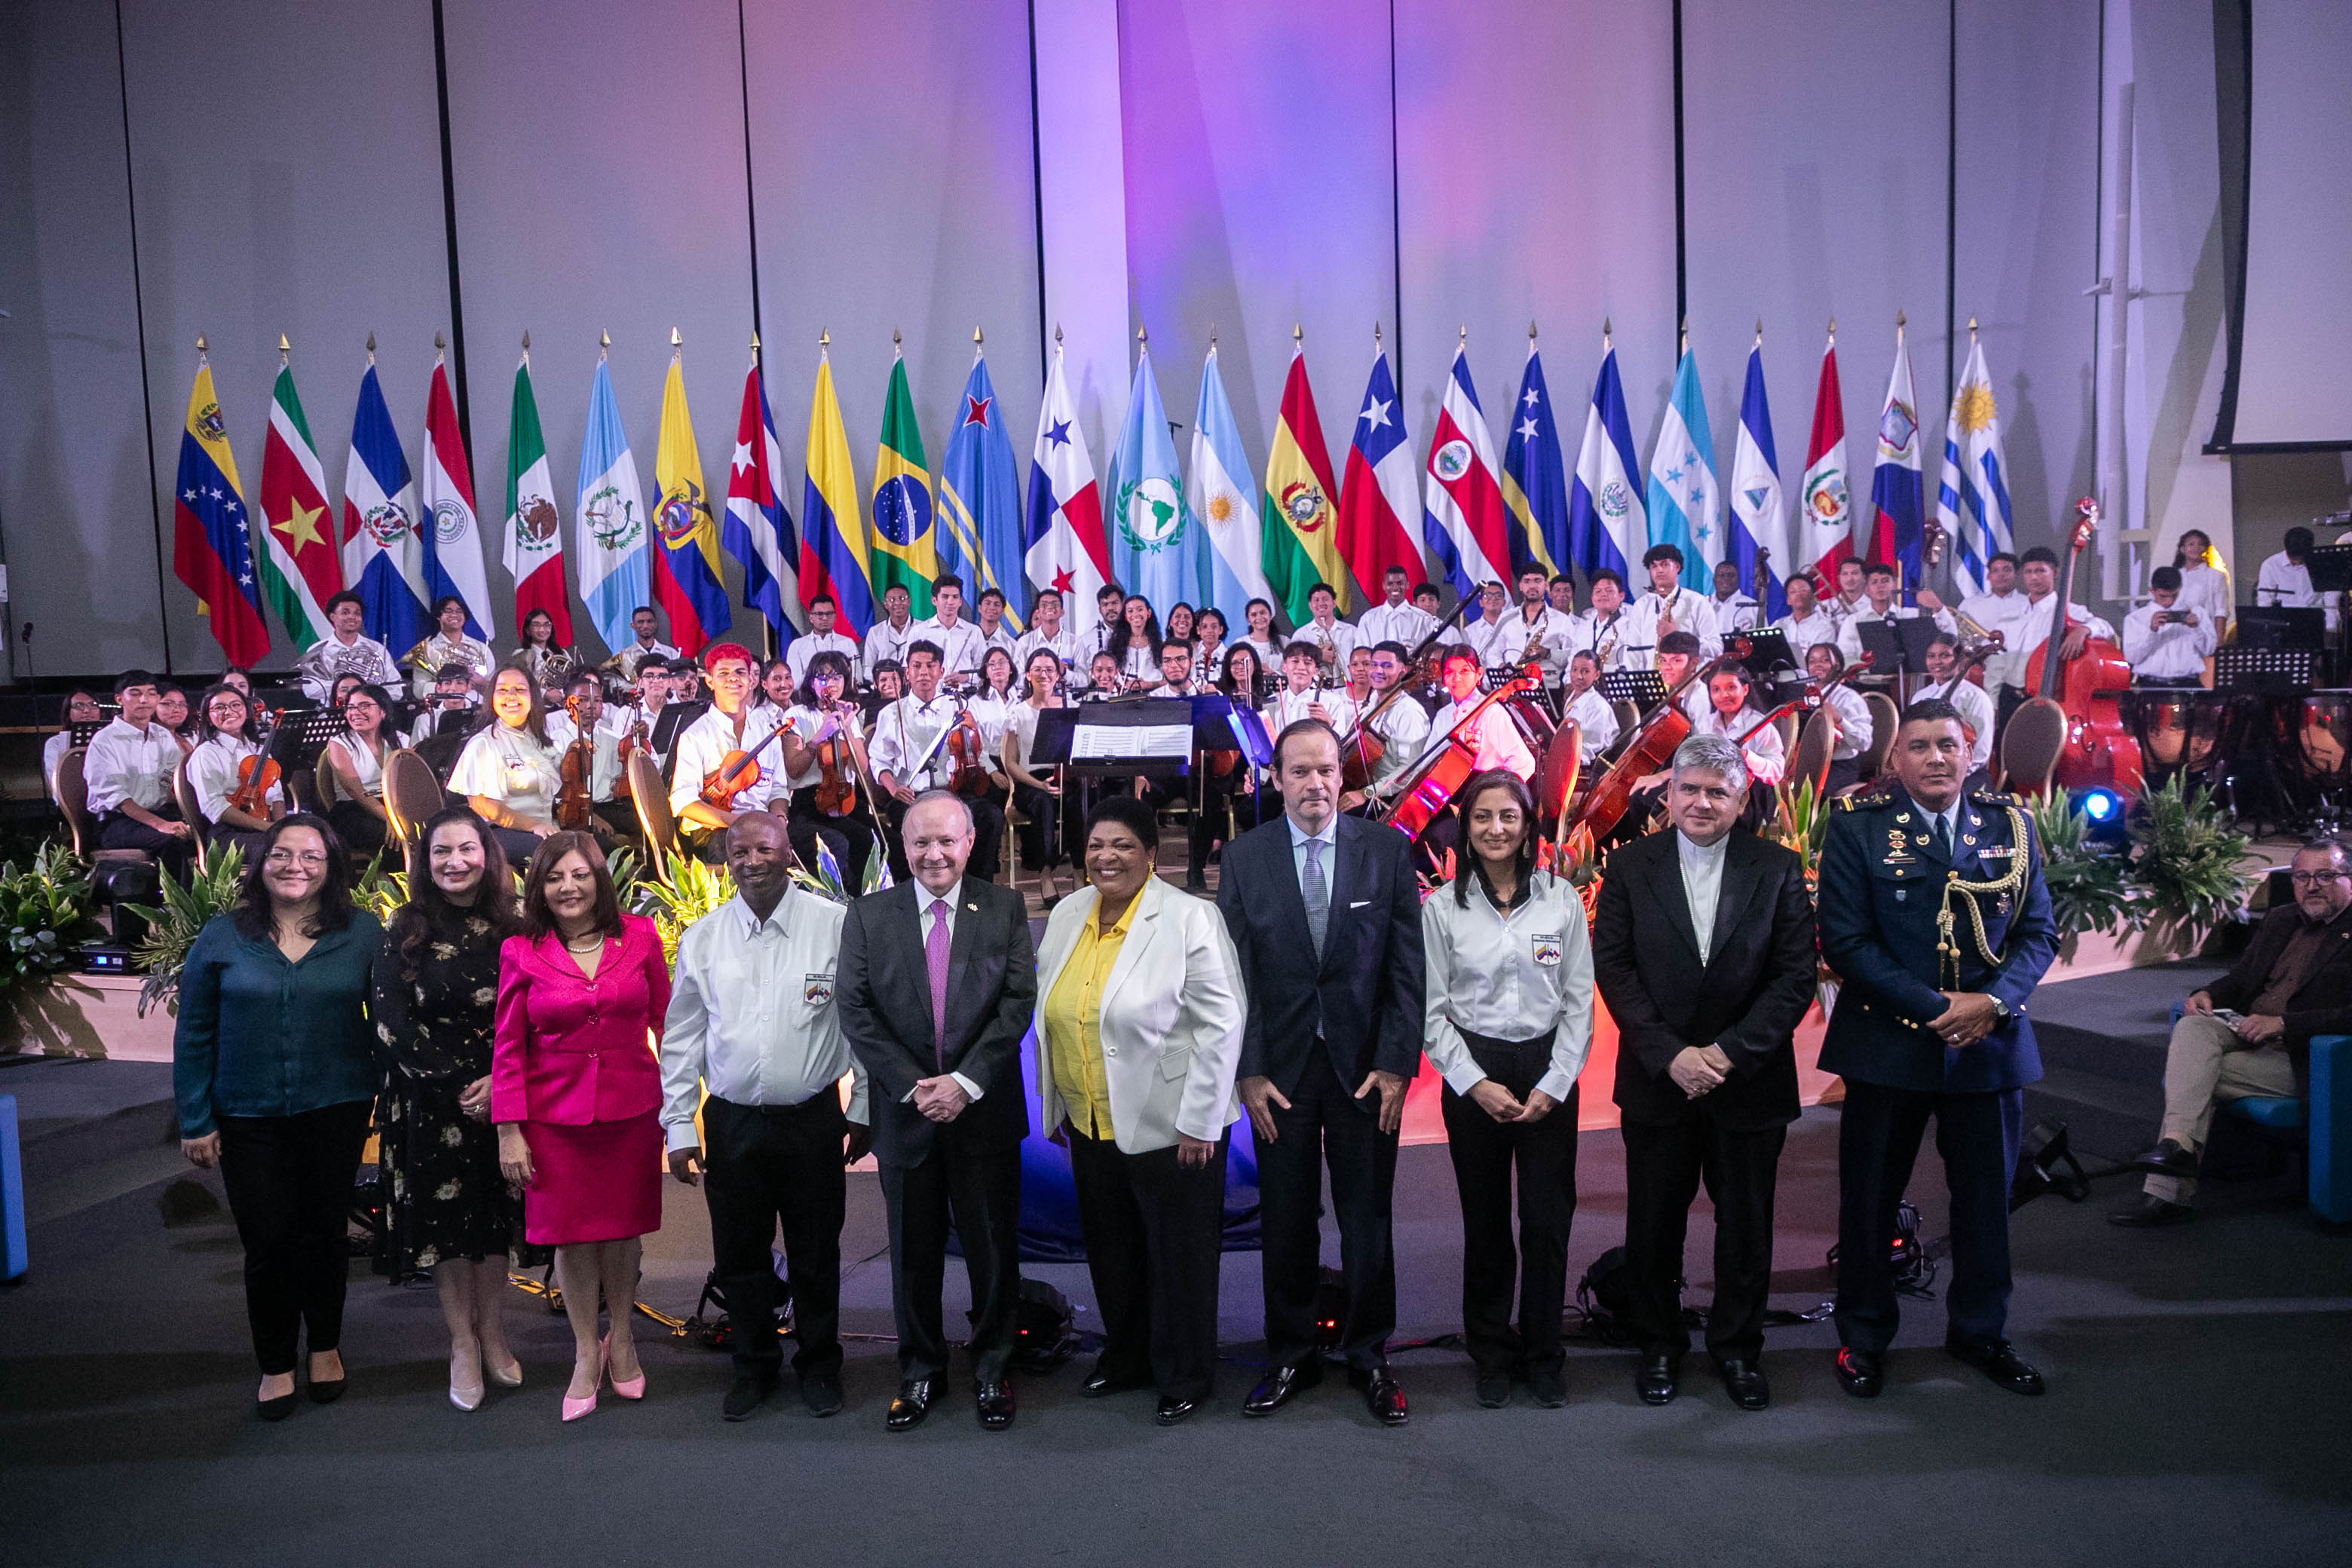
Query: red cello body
{"type": "Point", "coordinates": [2101, 753]}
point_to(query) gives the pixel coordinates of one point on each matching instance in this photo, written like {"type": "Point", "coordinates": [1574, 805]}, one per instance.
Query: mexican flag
{"type": "Point", "coordinates": [533, 555]}
{"type": "Point", "coordinates": [1299, 528]}
{"type": "Point", "coordinates": [301, 568]}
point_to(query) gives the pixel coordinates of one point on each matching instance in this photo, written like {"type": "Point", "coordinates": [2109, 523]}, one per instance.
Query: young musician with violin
{"type": "Point", "coordinates": [588, 761]}
{"type": "Point", "coordinates": [930, 739]}
{"type": "Point", "coordinates": [356, 759]}
{"type": "Point", "coordinates": [1232, 798]}
{"type": "Point", "coordinates": [236, 788]}
{"type": "Point", "coordinates": [1301, 698]}
{"type": "Point", "coordinates": [1856, 728]}
{"type": "Point", "coordinates": [825, 768]}
{"type": "Point", "coordinates": [1396, 726]}
{"type": "Point", "coordinates": [1947, 682]}
{"type": "Point", "coordinates": [821, 638]}
{"type": "Point", "coordinates": [1584, 707]}
{"type": "Point", "coordinates": [731, 759]}
{"type": "Point", "coordinates": [1038, 788]}
{"type": "Point", "coordinates": [509, 771]}
{"type": "Point", "coordinates": [1730, 716]}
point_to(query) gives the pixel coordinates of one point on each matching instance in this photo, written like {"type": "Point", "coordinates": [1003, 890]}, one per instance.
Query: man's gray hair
{"type": "Point", "coordinates": [930, 795]}
{"type": "Point", "coordinates": [2322, 846]}
{"type": "Point", "coordinates": [1712, 754]}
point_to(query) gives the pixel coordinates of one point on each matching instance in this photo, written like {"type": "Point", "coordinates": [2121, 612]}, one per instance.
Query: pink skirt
{"type": "Point", "coordinates": [601, 1182]}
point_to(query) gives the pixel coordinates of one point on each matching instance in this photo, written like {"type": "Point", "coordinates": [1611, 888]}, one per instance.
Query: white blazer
{"type": "Point", "coordinates": [1171, 1017]}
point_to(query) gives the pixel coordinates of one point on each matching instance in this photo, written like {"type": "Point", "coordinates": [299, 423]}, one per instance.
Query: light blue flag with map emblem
{"type": "Point", "coordinates": [1157, 547]}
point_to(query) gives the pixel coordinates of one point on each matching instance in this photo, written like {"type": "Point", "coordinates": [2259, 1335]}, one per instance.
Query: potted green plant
{"type": "Point", "coordinates": [2191, 863]}
{"type": "Point", "coordinates": [172, 929]}
{"type": "Point", "coordinates": [2089, 882]}
{"type": "Point", "coordinates": [44, 914]}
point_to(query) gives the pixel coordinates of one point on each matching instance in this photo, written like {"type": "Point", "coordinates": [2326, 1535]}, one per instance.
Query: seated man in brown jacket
{"type": "Point", "coordinates": [2250, 1032]}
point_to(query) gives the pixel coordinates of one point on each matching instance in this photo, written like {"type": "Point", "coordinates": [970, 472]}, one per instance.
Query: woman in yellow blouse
{"type": "Point", "coordinates": [1140, 1037]}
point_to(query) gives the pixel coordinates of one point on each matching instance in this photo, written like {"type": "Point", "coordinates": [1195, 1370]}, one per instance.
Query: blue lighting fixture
{"type": "Point", "coordinates": [2103, 813]}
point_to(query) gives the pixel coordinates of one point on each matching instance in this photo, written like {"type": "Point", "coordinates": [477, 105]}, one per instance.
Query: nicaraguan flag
{"type": "Point", "coordinates": [1155, 550]}
{"type": "Point", "coordinates": [1606, 523]}
{"type": "Point", "coordinates": [1535, 476]}
{"type": "Point", "coordinates": [1221, 495]}
{"type": "Point", "coordinates": [383, 544]}
{"type": "Point", "coordinates": [1760, 520]}
{"type": "Point", "coordinates": [979, 500]}
{"type": "Point", "coordinates": [609, 515]}
{"type": "Point", "coordinates": [1972, 501]}
{"type": "Point", "coordinates": [1685, 506]}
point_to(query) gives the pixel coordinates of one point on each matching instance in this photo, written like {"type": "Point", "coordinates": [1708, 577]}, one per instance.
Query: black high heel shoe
{"type": "Point", "coordinates": [276, 1409]}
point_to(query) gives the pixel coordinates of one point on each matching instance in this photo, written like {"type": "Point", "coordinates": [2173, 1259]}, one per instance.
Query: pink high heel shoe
{"type": "Point", "coordinates": [627, 1388]}
{"type": "Point", "coordinates": [573, 1409]}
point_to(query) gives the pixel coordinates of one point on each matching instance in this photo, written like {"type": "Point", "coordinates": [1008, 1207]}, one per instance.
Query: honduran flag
{"type": "Point", "coordinates": [1376, 487]}
{"type": "Point", "coordinates": [1898, 482]}
{"type": "Point", "coordinates": [383, 547]}
{"type": "Point", "coordinates": [1464, 524]}
{"type": "Point", "coordinates": [1063, 545]}
{"type": "Point", "coordinates": [1684, 505]}
{"type": "Point", "coordinates": [1824, 531]}
{"type": "Point", "coordinates": [758, 532]}
{"type": "Point", "coordinates": [1760, 516]}
{"type": "Point", "coordinates": [212, 539]}
{"type": "Point", "coordinates": [1535, 473]}
{"type": "Point", "coordinates": [453, 541]}
{"type": "Point", "coordinates": [688, 582]}
{"type": "Point", "coordinates": [1607, 524]}
{"type": "Point", "coordinates": [833, 529]}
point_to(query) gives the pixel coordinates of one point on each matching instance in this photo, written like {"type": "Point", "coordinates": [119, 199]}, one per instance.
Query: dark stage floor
{"type": "Point", "coordinates": [2200, 1381]}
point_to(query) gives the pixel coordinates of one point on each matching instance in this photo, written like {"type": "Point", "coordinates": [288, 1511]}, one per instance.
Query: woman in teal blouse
{"type": "Point", "coordinates": [275, 1074]}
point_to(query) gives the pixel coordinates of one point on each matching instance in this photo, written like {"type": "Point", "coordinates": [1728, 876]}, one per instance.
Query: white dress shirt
{"type": "Point", "coordinates": [1738, 614]}
{"type": "Point", "coordinates": [1407, 624]}
{"type": "Point", "coordinates": [1497, 740]}
{"type": "Point", "coordinates": [1855, 726]}
{"type": "Point", "coordinates": [136, 765]}
{"type": "Point", "coordinates": [55, 747]}
{"type": "Point", "coordinates": [427, 658]}
{"type": "Point", "coordinates": [2206, 590]}
{"type": "Point", "coordinates": [1403, 728]}
{"type": "Point", "coordinates": [1692, 612]}
{"type": "Point", "coordinates": [1850, 631]}
{"type": "Point", "coordinates": [1508, 975]}
{"type": "Point", "coordinates": [1603, 637]}
{"type": "Point", "coordinates": [330, 658]}
{"type": "Point", "coordinates": [925, 902]}
{"type": "Point", "coordinates": [962, 644]}
{"type": "Point", "coordinates": [2005, 613]}
{"type": "Point", "coordinates": [751, 1013]}
{"type": "Point", "coordinates": [808, 644]}
{"type": "Point", "coordinates": [2169, 652]}
{"type": "Point", "coordinates": [704, 744]}
{"type": "Point", "coordinates": [1596, 723]}
{"type": "Point", "coordinates": [212, 774]}
{"type": "Point", "coordinates": [1286, 707]}
{"type": "Point", "coordinates": [1978, 711]}
{"type": "Point", "coordinates": [1338, 637]}
{"type": "Point", "coordinates": [506, 765]}
{"type": "Point", "coordinates": [1702, 884]}
{"type": "Point", "coordinates": [2033, 629]}
{"type": "Point", "coordinates": [1767, 758]}
{"type": "Point", "coordinates": [905, 742]}
{"type": "Point", "coordinates": [882, 641]}
{"type": "Point", "coordinates": [1552, 628]}
{"type": "Point", "coordinates": [1818, 627]}
{"type": "Point", "coordinates": [1063, 645]}
{"type": "Point", "coordinates": [603, 754]}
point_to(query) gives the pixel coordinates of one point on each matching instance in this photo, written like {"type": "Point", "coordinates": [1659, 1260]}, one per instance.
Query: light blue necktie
{"type": "Point", "coordinates": [1318, 894]}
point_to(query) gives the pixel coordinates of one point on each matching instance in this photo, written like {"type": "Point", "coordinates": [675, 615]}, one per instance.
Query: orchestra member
{"type": "Point", "coordinates": [508, 772]}
{"type": "Point", "coordinates": [1561, 592]}
{"type": "Point", "coordinates": [644, 646]}
{"type": "Point", "coordinates": [82, 707]}
{"type": "Point", "coordinates": [1301, 698]}
{"type": "Point", "coordinates": [910, 751]}
{"type": "Point", "coordinates": [824, 713]}
{"type": "Point", "coordinates": [212, 766]}
{"type": "Point", "coordinates": [1677, 652]}
{"type": "Point", "coordinates": [888, 638]}
{"type": "Point", "coordinates": [993, 633]}
{"type": "Point", "coordinates": [1333, 638]}
{"type": "Point", "coordinates": [2204, 581]}
{"type": "Point", "coordinates": [452, 691]}
{"type": "Point", "coordinates": [823, 616]}
{"type": "Point", "coordinates": [1103, 677]}
{"type": "Point", "coordinates": [1592, 714]}
{"type": "Point", "coordinates": [1806, 623]}
{"type": "Point", "coordinates": [1669, 606]}
{"type": "Point", "coordinates": [1431, 602]}
{"type": "Point", "coordinates": [2039, 571]}
{"type": "Point", "coordinates": [1600, 631]}
{"type": "Point", "coordinates": [1490, 634]}
{"type": "Point", "coordinates": [344, 686]}
{"type": "Point", "coordinates": [684, 698]}
{"type": "Point", "coordinates": [1729, 715]}
{"type": "Point", "coordinates": [1234, 801]}
{"type": "Point", "coordinates": [1135, 644]}
{"type": "Point", "coordinates": [1394, 618]}
{"type": "Point", "coordinates": [1850, 589]}
{"type": "Point", "coordinates": [735, 722]}
{"type": "Point", "coordinates": [1037, 786]}
{"type": "Point", "coordinates": [2284, 579]}
{"type": "Point", "coordinates": [128, 770]}
{"type": "Point", "coordinates": [1139, 1040]}
{"type": "Point", "coordinates": [1507, 1019]}
{"type": "Point", "coordinates": [447, 645]}
{"type": "Point", "coordinates": [1498, 741]}
{"type": "Point", "coordinates": [1208, 641]}
{"type": "Point", "coordinates": [1046, 631]}
{"type": "Point", "coordinates": [2166, 642]}
{"type": "Point", "coordinates": [1360, 676]}
{"type": "Point", "coordinates": [1946, 683]}
{"type": "Point", "coordinates": [355, 758]}
{"type": "Point", "coordinates": [1704, 947]}
{"type": "Point", "coordinates": [344, 650]}
{"type": "Point", "coordinates": [999, 690]}
{"type": "Point", "coordinates": [1539, 630]}
{"type": "Point", "coordinates": [1176, 671]}
{"type": "Point", "coordinates": [173, 712]}
{"type": "Point", "coordinates": [1401, 724]}
{"type": "Point", "coordinates": [583, 713]}
{"type": "Point", "coordinates": [776, 684]}
{"type": "Point", "coordinates": [577, 1096]}
{"type": "Point", "coordinates": [1259, 614]}
{"type": "Point", "coordinates": [889, 684]}
{"type": "Point", "coordinates": [1880, 582]}
{"type": "Point", "coordinates": [541, 654]}
{"type": "Point", "coordinates": [1110, 600]}
{"type": "Point", "coordinates": [959, 641]}
{"type": "Point", "coordinates": [2000, 610]}
{"type": "Point", "coordinates": [1855, 726]}
{"type": "Point", "coordinates": [1734, 609]}
{"type": "Point", "coordinates": [1179, 625]}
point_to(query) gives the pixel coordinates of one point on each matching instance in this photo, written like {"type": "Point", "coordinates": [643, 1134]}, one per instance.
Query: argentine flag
{"type": "Point", "coordinates": [1155, 547]}
{"type": "Point", "coordinates": [1606, 522]}
{"type": "Point", "coordinates": [611, 513]}
{"type": "Point", "coordinates": [1685, 508]}
{"type": "Point", "coordinates": [1760, 520]}
{"type": "Point", "coordinates": [1221, 496]}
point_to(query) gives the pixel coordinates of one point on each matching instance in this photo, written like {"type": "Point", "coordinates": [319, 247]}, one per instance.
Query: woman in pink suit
{"type": "Point", "coordinates": [575, 1087]}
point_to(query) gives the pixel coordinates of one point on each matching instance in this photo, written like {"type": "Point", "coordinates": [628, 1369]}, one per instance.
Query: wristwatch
{"type": "Point", "coordinates": [2002, 1008]}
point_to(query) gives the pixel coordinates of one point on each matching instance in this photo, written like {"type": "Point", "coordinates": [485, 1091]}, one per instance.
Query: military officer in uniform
{"type": "Point", "coordinates": [1934, 914]}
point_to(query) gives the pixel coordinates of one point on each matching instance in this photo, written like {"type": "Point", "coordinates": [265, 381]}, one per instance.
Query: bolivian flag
{"type": "Point", "coordinates": [1299, 531]}
{"type": "Point", "coordinates": [902, 551]}
{"type": "Point", "coordinates": [687, 582]}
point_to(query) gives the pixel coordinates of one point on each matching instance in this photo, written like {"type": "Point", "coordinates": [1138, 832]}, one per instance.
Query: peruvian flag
{"type": "Point", "coordinates": [1825, 510]}
{"type": "Point", "coordinates": [1376, 491]}
{"type": "Point", "coordinates": [1466, 522]}
{"type": "Point", "coordinates": [1897, 485]}
{"type": "Point", "coordinates": [1062, 535]}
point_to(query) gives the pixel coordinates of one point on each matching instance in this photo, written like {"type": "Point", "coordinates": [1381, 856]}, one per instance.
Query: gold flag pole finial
{"type": "Point", "coordinates": [1901, 321]}
{"type": "Point", "coordinates": [604, 343]}
{"type": "Point", "coordinates": [202, 351]}
{"type": "Point", "coordinates": [1143, 337]}
{"type": "Point", "coordinates": [1463, 336]}
{"type": "Point", "coordinates": [976, 337]}
{"type": "Point", "coordinates": [1833, 328]}
{"type": "Point", "coordinates": [1683, 343]}
{"type": "Point", "coordinates": [824, 340]}
{"type": "Point", "coordinates": [1605, 333]}
{"type": "Point", "coordinates": [755, 342]}
{"type": "Point", "coordinates": [284, 348]}
{"type": "Point", "coordinates": [1972, 326]}
{"type": "Point", "coordinates": [1057, 334]}
{"type": "Point", "coordinates": [677, 345]}
{"type": "Point", "coordinates": [371, 347]}
{"type": "Point", "coordinates": [1298, 338]}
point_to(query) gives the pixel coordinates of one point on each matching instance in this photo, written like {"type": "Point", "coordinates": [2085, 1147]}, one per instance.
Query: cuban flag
{"type": "Point", "coordinates": [611, 518]}
{"type": "Point", "coordinates": [1972, 501]}
{"type": "Point", "coordinates": [1607, 524]}
{"type": "Point", "coordinates": [453, 544]}
{"type": "Point", "coordinates": [1464, 526]}
{"type": "Point", "coordinates": [1898, 482]}
{"type": "Point", "coordinates": [1535, 474]}
{"type": "Point", "coordinates": [1685, 506]}
{"type": "Point", "coordinates": [1376, 488]}
{"type": "Point", "coordinates": [1759, 519]}
{"type": "Point", "coordinates": [1061, 541]}
{"type": "Point", "coordinates": [758, 532]}
{"type": "Point", "coordinates": [383, 546]}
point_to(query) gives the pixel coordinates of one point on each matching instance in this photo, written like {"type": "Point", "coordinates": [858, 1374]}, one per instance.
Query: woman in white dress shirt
{"type": "Point", "coordinates": [1260, 617]}
{"type": "Point", "coordinates": [1209, 633]}
{"type": "Point", "coordinates": [824, 712]}
{"type": "Point", "coordinates": [1135, 642]}
{"type": "Point", "coordinates": [226, 728]}
{"type": "Point", "coordinates": [1037, 789]}
{"type": "Point", "coordinates": [508, 772]}
{"type": "Point", "coordinates": [2204, 585]}
{"type": "Point", "coordinates": [82, 707]}
{"type": "Point", "coordinates": [1508, 979]}
{"type": "Point", "coordinates": [356, 759]}
{"type": "Point", "coordinates": [1139, 1038]}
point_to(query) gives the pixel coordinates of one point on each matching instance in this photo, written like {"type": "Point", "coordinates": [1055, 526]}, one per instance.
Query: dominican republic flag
{"type": "Point", "coordinates": [212, 541]}
{"type": "Point", "coordinates": [1684, 505]}
{"type": "Point", "coordinates": [383, 546]}
{"type": "Point", "coordinates": [1464, 526]}
{"type": "Point", "coordinates": [758, 532]}
{"type": "Point", "coordinates": [1972, 502]}
{"type": "Point", "coordinates": [1376, 487]}
{"type": "Point", "coordinates": [1760, 516]}
{"type": "Point", "coordinates": [300, 567]}
{"type": "Point", "coordinates": [1223, 495]}
{"type": "Point", "coordinates": [1898, 482]}
{"type": "Point", "coordinates": [1825, 511]}
{"type": "Point", "coordinates": [534, 551]}
{"type": "Point", "coordinates": [611, 518]}
{"type": "Point", "coordinates": [1607, 525]}
{"type": "Point", "coordinates": [833, 528]}
{"type": "Point", "coordinates": [979, 529]}
{"type": "Point", "coordinates": [1535, 474]}
{"type": "Point", "coordinates": [453, 543]}
{"type": "Point", "coordinates": [1062, 545]}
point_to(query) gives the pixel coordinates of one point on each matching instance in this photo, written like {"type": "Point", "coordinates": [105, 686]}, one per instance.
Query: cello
{"type": "Point", "coordinates": [1449, 763]}
{"type": "Point", "coordinates": [1648, 750]}
{"type": "Point", "coordinates": [2100, 752]}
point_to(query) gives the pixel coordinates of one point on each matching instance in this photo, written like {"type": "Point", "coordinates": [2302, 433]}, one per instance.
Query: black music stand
{"type": "Point", "coordinates": [1768, 650]}
{"type": "Point", "coordinates": [2330, 566]}
{"type": "Point", "coordinates": [1644, 688]}
{"type": "Point", "coordinates": [298, 740]}
{"type": "Point", "coordinates": [1895, 647]}
{"type": "Point", "coordinates": [2282, 627]}
{"type": "Point", "coordinates": [2266, 671]}
{"type": "Point", "coordinates": [83, 730]}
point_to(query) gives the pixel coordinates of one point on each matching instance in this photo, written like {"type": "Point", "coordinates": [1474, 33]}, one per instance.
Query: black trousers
{"type": "Point", "coordinates": [849, 838]}
{"type": "Point", "coordinates": [1153, 1232]}
{"type": "Point", "coordinates": [120, 830]}
{"type": "Point", "coordinates": [1487, 1154]}
{"type": "Point", "coordinates": [987, 829]}
{"type": "Point", "coordinates": [1663, 1168]}
{"type": "Point", "coordinates": [1325, 1125]}
{"type": "Point", "coordinates": [289, 1181]}
{"type": "Point", "coordinates": [1878, 1140]}
{"type": "Point", "coordinates": [763, 1165]}
{"type": "Point", "coordinates": [1226, 812]}
{"type": "Point", "coordinates": [1038, 849]}
{"type": "Point", "coordinates": [979, 1187]}
{"type": "Point", "coordinates": [362, 832]}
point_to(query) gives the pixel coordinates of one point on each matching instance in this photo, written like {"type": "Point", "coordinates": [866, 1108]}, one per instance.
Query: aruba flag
{"type": "Point", "coordinates": [687, 582]}
{"type": "Point", "coordinates": [901, 552]}
{"type": "Point", "coordinates": [832, 533]}
{"type": "Point", "coordinates": [212, 542]}
{"type": "Point", "coordinates": [979, 498]}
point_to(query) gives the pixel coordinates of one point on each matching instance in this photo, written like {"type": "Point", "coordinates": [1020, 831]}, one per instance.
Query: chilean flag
{"type": "Point", "coordinates": [1466, 525]}
{"type": "Point", "coordinates": [1898, 482]}
{"type": "Point", "coordinates": [1825, 510]}
{"type": "Point", "coordinates": [1376, 488]}
{"type": "Point", "coordinates": [1062, 536]}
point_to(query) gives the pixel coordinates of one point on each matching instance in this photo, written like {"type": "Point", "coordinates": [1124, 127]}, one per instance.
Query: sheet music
{"type": "Point", "coordinates": [1096, 743]}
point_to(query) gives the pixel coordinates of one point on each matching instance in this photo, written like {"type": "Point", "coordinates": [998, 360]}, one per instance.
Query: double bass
{"type": "Point", "coordinates": [2100, 751]}
{"type": "Point", "coordinates": [1449, 764]}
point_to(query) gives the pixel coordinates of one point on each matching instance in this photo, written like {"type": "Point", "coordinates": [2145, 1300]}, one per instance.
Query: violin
{"type": "Point", "coordinates": [257, 776]}
{"type": "Point", "coordinates": [737, 771]}
{"type": "Point", "coordinates": [1650, 748]}
{"type": "Point", "coordinates": [2100, 750]}
{"type": "Point", "coordinates": [837, 785]}
{"type": "Point", "coordinates": [968, 751]}
{"type": "Point", "coordinates": [574, 797]}
{"type": "Point", "coordinates": [633, 743]}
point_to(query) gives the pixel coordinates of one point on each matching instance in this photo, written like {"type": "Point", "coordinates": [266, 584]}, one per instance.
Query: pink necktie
{"type": "Point", "coordinates": [935, 958]}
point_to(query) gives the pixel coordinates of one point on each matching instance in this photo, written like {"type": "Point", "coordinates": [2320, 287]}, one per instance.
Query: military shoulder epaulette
{"type": "Point", "coordinates": [1870, 800]}
{"type": "Point", "coordinates": [1993, 797]}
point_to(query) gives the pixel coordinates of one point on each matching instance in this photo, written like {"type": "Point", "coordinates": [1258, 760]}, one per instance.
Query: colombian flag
{"type": "Point", "coordinates": [903, 554]}
{"type": "Point", "coordinates": [1299, 525]}
{"type": "Point", "coordinates": [833, 534]}
{"type": "Point", "coordinates": [687, 582]}
{"type": "Point", "coordinates": [212, 545]}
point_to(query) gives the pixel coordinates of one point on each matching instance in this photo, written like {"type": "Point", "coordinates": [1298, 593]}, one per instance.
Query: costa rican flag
{"type": "Point", "coordinates": [1464, 525]}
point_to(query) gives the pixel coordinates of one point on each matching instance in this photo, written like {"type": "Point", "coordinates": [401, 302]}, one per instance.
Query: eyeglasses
{"type": "Point", "coordinates": [2315, 878]}
{"type": "Point", "coordinates": [288, 857]}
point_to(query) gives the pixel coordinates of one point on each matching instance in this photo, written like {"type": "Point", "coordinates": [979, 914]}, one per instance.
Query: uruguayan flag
{"type": "Point", "coordinates": [1685, 508]}
{"type": "Point", "coordinates": [1972, 502]}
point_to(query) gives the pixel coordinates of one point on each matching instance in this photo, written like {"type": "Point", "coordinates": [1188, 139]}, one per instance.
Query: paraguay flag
{"type": "Point", "coordinates": [758, 532]}
{"type": "Point", "coordinates": [383, 547]}
{"type": "Point", "coordinates": [1376, 487]}
{"type": "Point", "coordinates": [1063, 539]}
{"type": "Point", "coordinates": [832, 530]}
{"type": "Point", "coordinates": [1685, 508]}
{"type": "Point", "coordinates": [1760, 522]}
{"type": "Point", "coordinates": [1824, 532]}
{"type": "Point", "coordinates": [980, 497]}
{"type": "Point", "coordinates": [1606, 522]}
{"type": "Point", "coordinates": [1465, 524]}
{"type": "Point", "coordinates": [1972, 501]}
{"type": "Point", "coordinates": [611, 518]}
{"type": "Point", "coordinates": [1898, 484]}
{"type": "Point", "coordinates": [453, 541]}
{"type": "Point", "coordinates": [1535, 474]}
{"type": "Point", "coordinates": [212, 541]}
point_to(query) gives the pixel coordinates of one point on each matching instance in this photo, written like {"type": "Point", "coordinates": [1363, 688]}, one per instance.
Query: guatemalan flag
{"type": "Point", "coordinates": [453, 541]}
{"type": "Point", "coordinates": [1972, 502]}
{"type": "Point", "coordinates": [1607, 525]}
{"type": "Point", "coordinates": [611, 516]}
{"type": "Point", "coordinates": [980, 497]}
{"type": "Point", "coordinates": [1898, 483]}
{"type": "Point", "coordinates": [1223, 495]}
{"type": "Point", "coordinates": [1535, 475]}
{"type": "Point", "coordinates": [383, 547]}
{"type": "Point", "coordinates": [1063, 541]}
{"type": "Point", "coordinates": [1376, 488]}
{"type": "Point", "coordinates": [1685, 508]}
{"type": "Point", "coordinates": [1759, 519]}
{"type": "Point", "coordinates": [1466, 525]}
{"type": "Point", "coordinates": [758, 532]}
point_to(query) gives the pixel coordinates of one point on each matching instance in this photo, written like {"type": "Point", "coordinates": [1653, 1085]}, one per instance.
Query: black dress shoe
{"type": "Point", "coordinates": [1281, 1385]}
{"type": "Point", "coordinates": [1858, 1371]}
{"type": "Point", "coordinates": [1494, 1390]}
{"type": "Point", "coordinates": [328, 1391]}
{"type": "Point", "coordinates": [1101, 1381]}
{"type": "Point", "coordinates": [1197, 885]}
{"type": "Point", "coordinates": [1744, 1381]}
{"type": "Point", "coordinates": [276, 1409]}
{"type": "Point", "coordinates": [1383, 1395]}
{"type": "Point", "coordinates": [995, 1398]}
{"type": "Point", "coordinates": [1658, 1380]}
{"type": "Point", "coordinates": [746, 1394]}
{"type": "Point", "coordinates": [1549, 1386]}
{"type": "Point", "coordinates": [821, 1392]}
{"type": "Point", "coordinates": [914, 1402]}
{"type": "Point", "coordinates": [1173, 1411]}
{"type": "Point", "coordinates": [2150, 1212]}
{"type": "Point", "coordinates": [1999, 1362]}
{"type": "Point", "coordinates": [2167, 1159]}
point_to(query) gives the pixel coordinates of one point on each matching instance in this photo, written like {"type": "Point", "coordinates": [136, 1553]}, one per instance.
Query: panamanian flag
{"type": "Point", "coordinates": [1607, 524]}
{"type": "Point", "coordinates": [1063, 547]}
{"type": "Point", "coordinates": [383, 545]}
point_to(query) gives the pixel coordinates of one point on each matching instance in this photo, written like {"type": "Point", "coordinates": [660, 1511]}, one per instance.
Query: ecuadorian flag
{"type": "Point", "coordinates": [903, 553]}
{"type": "Point", "coordinates": [833, 534]}
{"type": "Point", "coordinates": [687, 584]}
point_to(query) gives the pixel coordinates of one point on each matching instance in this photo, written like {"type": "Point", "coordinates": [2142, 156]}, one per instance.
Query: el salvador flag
{"type": "Point", "coordinates": [1607, 525]}
{"type": "Point", "coordinates": [1759, 518]}
{"type": "Point", "coordinates": [1686, 509]}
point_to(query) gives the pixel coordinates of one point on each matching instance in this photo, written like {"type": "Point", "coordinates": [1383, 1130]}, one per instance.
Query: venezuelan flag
{"type": "Point", "coordinates": [212, 540]}
{"type": "Point", "coordinates": [832, 533]}
{"type": "Point", "coordinates": [904, 555]}
{"type": "Point", "coordinates": [687, 582]}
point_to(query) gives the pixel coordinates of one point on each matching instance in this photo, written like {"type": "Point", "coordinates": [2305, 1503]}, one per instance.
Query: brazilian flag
{"type": "Point", "coordinates": [903, 553]}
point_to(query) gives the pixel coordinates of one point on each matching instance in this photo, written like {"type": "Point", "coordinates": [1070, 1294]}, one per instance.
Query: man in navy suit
{"type": "Point", "coordinates": [1326, 917]}
{"type": "Point", "coordinates": [1934, 913]}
